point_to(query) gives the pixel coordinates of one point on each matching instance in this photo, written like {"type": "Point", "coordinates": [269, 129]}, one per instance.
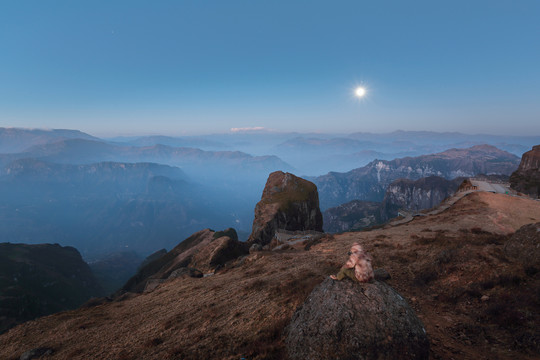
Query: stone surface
{"type": "Point", "coordinates": [37, 353]}
{"type": "Point", "coordinates": [288, 202]}
{"type": "Point", "coordinates": [526, 178]}
{"type": "Point", "coordinates": [205, 250]}
{"type": "Point", "coordinates": [254, 248]}
{"type": "Point", "coordinates": [524, 246]}
{"type": "Point", "coordinates": [38, 280]}
{"type": "Point", "coordinates": [186, 272]}
{"type": "Point", "coordinates": [348, 320]}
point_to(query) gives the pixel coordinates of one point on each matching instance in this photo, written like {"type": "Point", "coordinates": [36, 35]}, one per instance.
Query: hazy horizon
{"type": "Point", "coordinates": [120, 133]}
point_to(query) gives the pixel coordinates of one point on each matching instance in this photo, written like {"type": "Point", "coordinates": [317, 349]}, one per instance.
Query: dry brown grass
{"type": "Point", "coordinates": [242, 310]}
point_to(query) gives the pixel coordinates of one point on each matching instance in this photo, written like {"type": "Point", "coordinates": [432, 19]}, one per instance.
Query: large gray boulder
{"type": "Point", "coordinates": [346, 320]}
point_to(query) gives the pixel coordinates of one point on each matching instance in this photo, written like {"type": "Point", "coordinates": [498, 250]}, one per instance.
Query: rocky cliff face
{"type": "Point", "coordinates": [37, 280]}
{"type": "Point", "coordinates": [526, 178]}
{"type": "Point", "coordinates": [351, 216]}
{"type": "Point", "coordinates": [289, 203]}
{"type": "Point", "coordinates": [408, 194]}
{"type": "Point", "coordinates": [370, 182]}
{"type": "Point", "coordinates": [416, 195]}
{"type": "Point", "coordinates": [201, 253]}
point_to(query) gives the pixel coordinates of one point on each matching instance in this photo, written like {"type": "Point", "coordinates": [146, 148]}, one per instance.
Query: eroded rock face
{"type": "Point", "coordinates": [351, 216]}
{"type": "Point", "coordinates": [524, 246]}
{"type": "Point", "coordinates": [38, 280]}
{"type": "Point", "coordinates": [348, 320]}
{"type": "Point", "coordinates": [288, 202]}
{"type": "Point", "coordinates": [526, 178]}
{"type": "Point", "coordinates": [201, 253]}
{"type": "Point", "coordinates": [370, 182]}
{"type": "Point", "coordinates": [416, 195]}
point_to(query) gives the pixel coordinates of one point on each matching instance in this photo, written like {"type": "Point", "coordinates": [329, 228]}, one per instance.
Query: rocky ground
{"type": "Point", "coordinates": [476, 299]}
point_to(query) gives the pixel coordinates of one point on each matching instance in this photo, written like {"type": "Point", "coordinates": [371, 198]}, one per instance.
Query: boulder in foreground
{"type": "Point", "coordinates": [348, 320]}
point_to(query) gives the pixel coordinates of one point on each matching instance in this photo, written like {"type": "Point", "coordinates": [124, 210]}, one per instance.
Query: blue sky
{"type": "Point", "coordinates": [191, 67]}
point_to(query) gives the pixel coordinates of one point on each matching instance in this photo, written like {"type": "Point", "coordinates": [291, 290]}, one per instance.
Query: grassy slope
{"type": "Point", "coordinates": [441, 264]}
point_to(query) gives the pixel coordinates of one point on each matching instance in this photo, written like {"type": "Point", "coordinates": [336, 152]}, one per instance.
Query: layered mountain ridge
{"type": "Point", "coordinates": [370, 182]}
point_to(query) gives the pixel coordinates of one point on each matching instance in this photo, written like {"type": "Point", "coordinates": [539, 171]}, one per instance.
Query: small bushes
{"type": "Point", "coordinates": [452, 295]}
{"type": "Point", "coordinates": [268, 344]}
{"type": "Point", "coordinates": [446, 256]}
{"type": "Point", "coordinates": [423, 240]}
{"type": "Point", "coordinates": [153, 342]}
{"type": "Point", "coordinates": [531, 270]}
{"type": "Point", "coordinates": [503, 312]}
{"type": "Point", "coordinates": [256, 285]}
{"type": "Point", "coordinates": [477, 230]}
{"type": "Point", "coordinates": [425, 277]}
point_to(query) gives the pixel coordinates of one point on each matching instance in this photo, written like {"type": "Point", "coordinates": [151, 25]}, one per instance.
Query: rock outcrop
{"type": "Point", "coordinates": [289, 203]}
{"type": "Point", "coordinates": [524, 246]}
{"type": "Point", "coordinates": [348, 320]}
{"type": "Point", "coordinates": [416, 195]}
{"type": "Point", "coordinates": [202, 252]}
{"type": "Point", "coordinates": [37, 280]}
{"type": "Point", "coordinates": [526, 178]}
{"type": "Point", "coordinates": [407, 194]}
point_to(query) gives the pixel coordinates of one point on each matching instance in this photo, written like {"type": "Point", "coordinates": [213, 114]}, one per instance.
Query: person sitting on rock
{"type": "Point", "coordinates": [358, 267]}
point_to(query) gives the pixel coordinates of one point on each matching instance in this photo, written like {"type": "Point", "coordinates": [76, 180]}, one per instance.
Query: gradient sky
{"type": "Point", "coordinates": [191, 67]}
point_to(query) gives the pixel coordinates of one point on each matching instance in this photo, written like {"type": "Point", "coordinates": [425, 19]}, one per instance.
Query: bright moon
{"type": "Point", "coordinates": [360, 92]}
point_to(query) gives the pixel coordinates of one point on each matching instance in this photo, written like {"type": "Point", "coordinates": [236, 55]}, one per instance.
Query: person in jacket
{"type": "Point", "coordinates": [358, 267]}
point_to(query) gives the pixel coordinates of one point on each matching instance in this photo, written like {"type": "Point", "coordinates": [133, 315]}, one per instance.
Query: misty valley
{"type": "Point", "coordinates": [115, 212]}
{"type": "Point", "coordinates": [114, 195]}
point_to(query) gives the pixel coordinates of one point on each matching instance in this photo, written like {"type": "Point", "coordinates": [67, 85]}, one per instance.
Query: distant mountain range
{"type": "Point", "coordinates": [14, 140]}
{"type": "Point", "coordinates": [146, 192]}
{"type": "Point", "coordinates": [370, 182]}
{"type": "Point", "coordinates": [308, 153]}
{"type": "Point", "coordinates": [200, 162]}
{"type": "Point", "coordinates": [103, 207]}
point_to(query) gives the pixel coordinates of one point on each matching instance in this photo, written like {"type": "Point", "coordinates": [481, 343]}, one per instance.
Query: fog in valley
{"type": "Point", "coordinates": [125, 194]}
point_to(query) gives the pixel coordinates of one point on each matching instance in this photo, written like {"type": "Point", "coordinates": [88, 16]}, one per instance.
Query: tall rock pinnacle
{"type": "Point", "coordinates": [289, 203]}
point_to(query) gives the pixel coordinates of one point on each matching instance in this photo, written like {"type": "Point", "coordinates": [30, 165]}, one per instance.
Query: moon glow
{"type": "Point", "coordinates": [360, 92]}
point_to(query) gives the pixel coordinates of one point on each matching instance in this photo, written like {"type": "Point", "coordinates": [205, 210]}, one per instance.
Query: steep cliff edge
{"type": "Point", "coordinates": [202, 252]}
{"type": "Point", "coordinates": [370, 182]}
{"type": "Point", "coordinates": [526, 178]}
{"type": "Point", "coordinates": [37, 280]}
{"type": "Point", "coordinates": [289, 203]}
{"type": "Point", "coordinates": [416, 195]}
